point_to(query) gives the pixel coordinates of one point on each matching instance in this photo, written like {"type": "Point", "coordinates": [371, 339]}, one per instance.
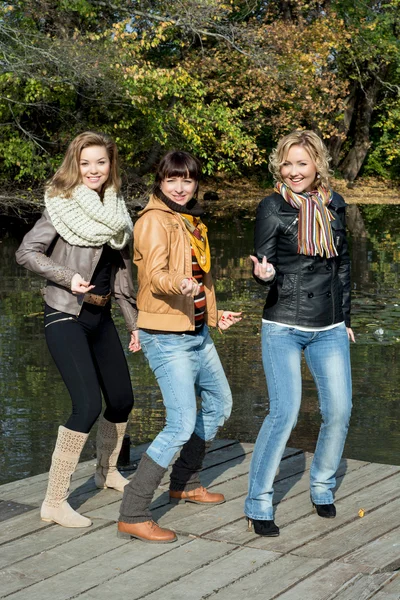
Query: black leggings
{"type": "Point", "coordinates": [89, 355]}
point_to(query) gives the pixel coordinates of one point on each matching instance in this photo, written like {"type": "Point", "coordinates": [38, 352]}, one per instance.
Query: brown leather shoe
{"type": "Point", "coordinates": [147, 531]}
{"type": "Point", "coordinates": [199, 496]}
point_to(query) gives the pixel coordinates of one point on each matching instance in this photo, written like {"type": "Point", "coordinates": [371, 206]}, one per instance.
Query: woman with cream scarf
{"type": "Point", "coordinates": [81, 246]}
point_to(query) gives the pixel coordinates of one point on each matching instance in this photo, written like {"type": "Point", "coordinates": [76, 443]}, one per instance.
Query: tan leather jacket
{"type": "Point", "coordinates": [163, 257]}
{"type": "Point", "coordinates": [44, 252]}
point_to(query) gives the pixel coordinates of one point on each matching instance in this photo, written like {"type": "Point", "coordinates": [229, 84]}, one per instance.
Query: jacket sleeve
{"type": "Point", "coordinates": [124, 293]}
{"type": "Point", "coordinates": [344, 271]}
{"type": "Point", "coordinates": [151, 245]}
{"type": "Point", "coordinates": [32, 253]}
{"type": "Point", "coordinates": [265, 236]}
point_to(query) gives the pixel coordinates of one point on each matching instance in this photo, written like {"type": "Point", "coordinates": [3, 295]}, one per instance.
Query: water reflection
{"type": "Point", "coordinates": [33, 400]}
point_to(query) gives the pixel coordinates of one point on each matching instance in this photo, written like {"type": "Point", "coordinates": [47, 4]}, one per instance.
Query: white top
{"type": "Point", "coordinates": [304, 328]}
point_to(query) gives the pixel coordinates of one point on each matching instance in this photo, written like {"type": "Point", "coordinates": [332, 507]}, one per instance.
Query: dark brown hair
{"type": "Point", "coordinates": [177, 163]}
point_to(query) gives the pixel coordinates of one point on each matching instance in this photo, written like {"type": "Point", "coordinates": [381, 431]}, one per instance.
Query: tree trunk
{"type": "Point", "coordinates": [366, 102]}
{"type": "Point", "coordinates": [336, 141]}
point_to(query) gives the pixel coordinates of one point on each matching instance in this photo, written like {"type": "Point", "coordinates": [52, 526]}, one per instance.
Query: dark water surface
{"type": "Point", "coordinates": [33, 400]}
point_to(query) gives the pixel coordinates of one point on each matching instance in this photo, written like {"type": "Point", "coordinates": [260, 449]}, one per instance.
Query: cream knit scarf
{"type": "Point", "coordinates": [85, 220]}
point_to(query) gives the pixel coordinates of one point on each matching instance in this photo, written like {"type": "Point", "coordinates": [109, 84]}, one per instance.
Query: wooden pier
{"type": "Point", "coordinates": [216, 557]}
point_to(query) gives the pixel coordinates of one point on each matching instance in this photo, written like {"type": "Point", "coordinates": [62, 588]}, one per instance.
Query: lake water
{"type": "Point", "coordinates": [33, 400]}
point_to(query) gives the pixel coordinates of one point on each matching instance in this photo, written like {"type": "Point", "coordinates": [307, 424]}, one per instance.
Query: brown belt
{"type": "Point", "coordinates": [96, 299]}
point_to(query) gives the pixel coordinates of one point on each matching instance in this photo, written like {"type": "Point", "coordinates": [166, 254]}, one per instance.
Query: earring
{"type": "Point", "coordinates": [318, 176]}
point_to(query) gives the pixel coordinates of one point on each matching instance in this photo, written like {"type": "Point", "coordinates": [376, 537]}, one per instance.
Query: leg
{"type": "Point", "coordinates": [281, 353]}
{"type": "Point", "coordinates": [328, 357]}
{"type": "Point", "coordinates": [55, 507]}
{"type": "Point", "coordinates": [173, 363]}
{"type": "Point", "coordinates": [113, 374]}
{"type": "Point", "coordinates": [70, 350]}
{"type": "Point", "coordinates": [213, 388]}
{"type": "Point", "coordinates": [175, 366]}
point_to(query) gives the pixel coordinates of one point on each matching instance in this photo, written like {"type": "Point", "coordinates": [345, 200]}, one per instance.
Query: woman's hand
{"type": "Point", "coordinates": [350, 334]}
{"type": "Point", "coordinates": [264, 270]}
{"type": "Point", "coordinates": [134, 344]}
{"type": "Point", "coordinates": [229, 318]}
{"type": "Point", "coordinates": [79, 285]}
{"type": "Point", "coordinates": [190, 287]}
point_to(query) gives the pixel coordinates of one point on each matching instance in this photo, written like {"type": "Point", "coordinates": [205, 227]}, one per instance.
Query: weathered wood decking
{"type": "Point", "coordinates": [347, 558]}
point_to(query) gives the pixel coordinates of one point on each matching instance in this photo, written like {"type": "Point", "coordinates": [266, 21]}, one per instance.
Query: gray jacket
{"type": "Point", "coordinates": [44, 252]}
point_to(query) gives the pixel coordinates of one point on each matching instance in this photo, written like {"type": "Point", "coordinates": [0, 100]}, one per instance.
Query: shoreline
{"type": "Point", "coordinates": [244, 195]}
{"type": "Point", "coordinates": [235, 197]}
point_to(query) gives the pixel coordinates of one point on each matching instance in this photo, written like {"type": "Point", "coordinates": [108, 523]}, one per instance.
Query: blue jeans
{"type": "Point", "coordinates": [328, 357]}
{"type": "Point", "coordinates": [186, 366]}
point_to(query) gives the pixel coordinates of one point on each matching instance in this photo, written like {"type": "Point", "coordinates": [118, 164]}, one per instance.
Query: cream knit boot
{"type": "Point", "coordinates": [55, 507]}
{"type": "Point", "coordinates": [108, 444]}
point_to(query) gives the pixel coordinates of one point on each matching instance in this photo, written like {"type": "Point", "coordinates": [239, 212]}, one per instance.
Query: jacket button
{"type": "Point", "coordinates": [328, 294]}
{"type": "Point", "coordinates": [311, 295]}
{"type": "Point", "coordinates": [311, 268]}
{"type": "Point", "coordinates": [328, 268]}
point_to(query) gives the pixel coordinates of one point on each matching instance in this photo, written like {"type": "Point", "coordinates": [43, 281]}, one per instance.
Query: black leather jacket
{"type": "Point", "coordinates": [308, 291]}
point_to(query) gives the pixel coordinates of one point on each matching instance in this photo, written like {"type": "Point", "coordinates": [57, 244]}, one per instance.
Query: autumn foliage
{"type": "Point", "coordinates": [222, 79]}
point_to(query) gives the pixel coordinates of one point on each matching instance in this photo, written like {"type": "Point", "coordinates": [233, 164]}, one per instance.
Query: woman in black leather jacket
{"type": "Point", "coordinates": [302, 258]}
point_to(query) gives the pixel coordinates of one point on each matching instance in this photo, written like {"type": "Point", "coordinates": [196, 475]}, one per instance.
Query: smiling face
{"type": "Point", "coordinates": [179, 189]}
{"type": "Point", "coordinates": [298, 170]}
{"type": "Point", "coordinates": [94, 166]}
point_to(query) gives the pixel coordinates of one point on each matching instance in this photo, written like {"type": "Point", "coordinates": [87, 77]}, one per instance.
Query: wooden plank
{"type": "Point", "coordinates": [295, 504]}
{"type": "Point", "coordinates": [212, 577]}
{"type": "Point", "coordinates": [390, 591]}
{"type": "Point", "coordinates": [322, 584]}
{"type": "Point", "coordinates": [311, 530]}
{"type": "Point", "coordinates": [85, 470]}
{"type": "Point", "coordinates": [356, 534]}
{"type": "Point", "coordinates": [364, 587]}
{"type": "Point", "coordinates": [82, 483]}
{"type": "Point", "coordinates": [20, 526]}
{"type": "Point", "coordinates": [212, 477]}
{"type": "Point", "coordinates": [10, 509]}
{"type": "Point", "coordinates": [49, 537]}
{"type": "Point", "coordinates": [92, 572]}
{"type": "Point", "coordinates": [59, 558]}
{"type": "Point", "coordinates": [382, 554]}
{"type": "Point", "coordinates": [113, 573]}
{"type": "Point", "coordinates": [270, 580]}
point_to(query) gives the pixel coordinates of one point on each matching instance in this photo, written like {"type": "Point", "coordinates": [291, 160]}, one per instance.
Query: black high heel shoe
{"type": "Point", "coordinates": [327, 511]}
{"type": "Point", "coordinates": [265, 528]}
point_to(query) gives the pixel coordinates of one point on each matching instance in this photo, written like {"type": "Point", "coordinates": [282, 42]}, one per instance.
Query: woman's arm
{"type": "Point", "coordinates": [344, 271]}
{"type": "Point", "coordinates": [151, 245]}
{"type": "Point", "coordinates": [265, 241]}
{"type": "Point", "coordinates": [123, 289]}
{"type": "Point", "coordinates": [32, 253]}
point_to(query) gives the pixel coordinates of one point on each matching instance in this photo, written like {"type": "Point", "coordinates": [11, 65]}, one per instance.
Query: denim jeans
{"type": "Point", "coordinates": [328, 358]}
{"type": "Point", "coordinates": [186, 366]}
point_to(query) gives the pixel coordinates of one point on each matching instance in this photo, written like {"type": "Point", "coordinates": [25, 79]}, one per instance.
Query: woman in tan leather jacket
{"type": "Point", "coordinates": [176, 302]}
{"type": "Point", "coordinates": [81, 246]}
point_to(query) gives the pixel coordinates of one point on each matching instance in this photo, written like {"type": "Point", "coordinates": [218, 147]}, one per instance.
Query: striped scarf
{"type": "Point", "coordinates": [315, 231]}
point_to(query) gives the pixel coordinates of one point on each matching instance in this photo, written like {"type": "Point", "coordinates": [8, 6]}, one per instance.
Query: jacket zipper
{"type": "Point", "coordinates": [291, 226]}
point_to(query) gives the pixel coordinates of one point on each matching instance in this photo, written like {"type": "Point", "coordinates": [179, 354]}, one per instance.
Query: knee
{"type": "Point", "coordinates": [226, 408]}
{"type": "Point", "coordinates": [339, 415]}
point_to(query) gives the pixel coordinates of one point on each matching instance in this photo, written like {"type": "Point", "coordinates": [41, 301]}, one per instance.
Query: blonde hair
{"type": "Point", "coordinates": [315, 147]}
{"type": "Point", "coordinates": [68, 175]}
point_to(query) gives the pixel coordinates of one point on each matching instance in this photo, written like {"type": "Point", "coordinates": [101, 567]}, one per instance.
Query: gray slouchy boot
{"type": "Point", "coordinates": [135, 517]}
